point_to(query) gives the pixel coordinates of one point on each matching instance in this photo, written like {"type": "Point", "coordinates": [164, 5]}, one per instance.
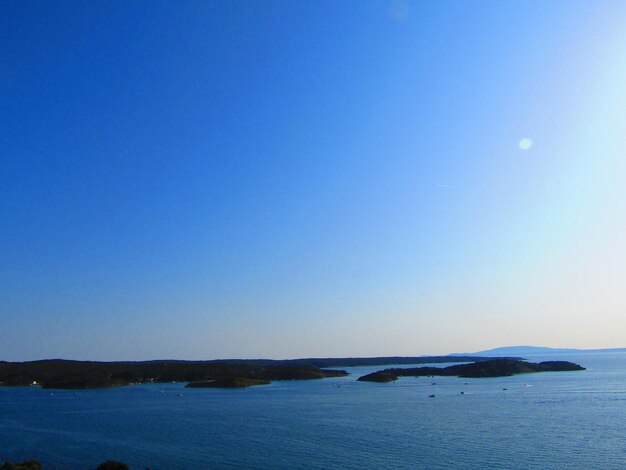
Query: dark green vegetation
{"type": "Point", "coordinates": [380, 376]}
{"type": "Point", "coordinates": [112, 465]}
{"type": "Point", "coordinates": [59, 373]}
{"type": "Point", "coordinates": [491, 368]}
{"type": "Point", "coordinates": [29, 465]}
{"type": "Point", "coordinates": [227, 382]}
{"type": "Point", "coordinates": [34, 465]}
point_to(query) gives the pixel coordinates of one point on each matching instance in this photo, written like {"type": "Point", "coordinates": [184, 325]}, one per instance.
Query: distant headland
{"type": "Point", "coordinates": [227, 373]}
{"type": "Point", "coordinates": [538, 350]}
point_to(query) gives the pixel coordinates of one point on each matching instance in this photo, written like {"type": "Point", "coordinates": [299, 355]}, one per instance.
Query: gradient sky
{"type": "Point", "coordinates": [279, 179]}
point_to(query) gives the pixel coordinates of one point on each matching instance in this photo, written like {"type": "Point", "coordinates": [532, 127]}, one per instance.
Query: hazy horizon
{"type": "Point", "coordinates": [279, 358]}
{"type": "Point", "coordinates": [276, 179]}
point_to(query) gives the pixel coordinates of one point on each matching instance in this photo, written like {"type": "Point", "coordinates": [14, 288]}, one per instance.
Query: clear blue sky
{"type": "Point", "coordinates": [315, 178]}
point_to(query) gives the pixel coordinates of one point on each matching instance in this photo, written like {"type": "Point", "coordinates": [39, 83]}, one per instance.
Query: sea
{"type": "Point", "coordinates": [550, 420]}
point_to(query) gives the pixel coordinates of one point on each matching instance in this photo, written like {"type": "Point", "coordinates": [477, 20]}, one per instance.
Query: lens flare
{"type": "Point", "coordinates": [525, 144]}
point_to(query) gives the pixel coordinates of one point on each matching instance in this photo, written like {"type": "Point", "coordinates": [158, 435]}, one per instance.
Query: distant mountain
{"type": "Point", "coordinates": [530, 350]}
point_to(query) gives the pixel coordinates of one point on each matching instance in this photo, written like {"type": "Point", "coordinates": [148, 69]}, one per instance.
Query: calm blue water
{"type": "Point", "coordinates": [550, 420]}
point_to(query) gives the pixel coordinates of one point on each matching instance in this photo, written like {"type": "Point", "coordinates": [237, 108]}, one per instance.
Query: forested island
{"type": "Point", "coordinates": [228, 373]}
{"type": "Point", "coordinates": [488, 368]}
{"type": "Point", "coordinates": [65, 374]}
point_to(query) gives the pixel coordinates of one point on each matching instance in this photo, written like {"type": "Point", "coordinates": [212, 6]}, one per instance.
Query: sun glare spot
{"type": "Point", "coordinates": [525, 144]}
